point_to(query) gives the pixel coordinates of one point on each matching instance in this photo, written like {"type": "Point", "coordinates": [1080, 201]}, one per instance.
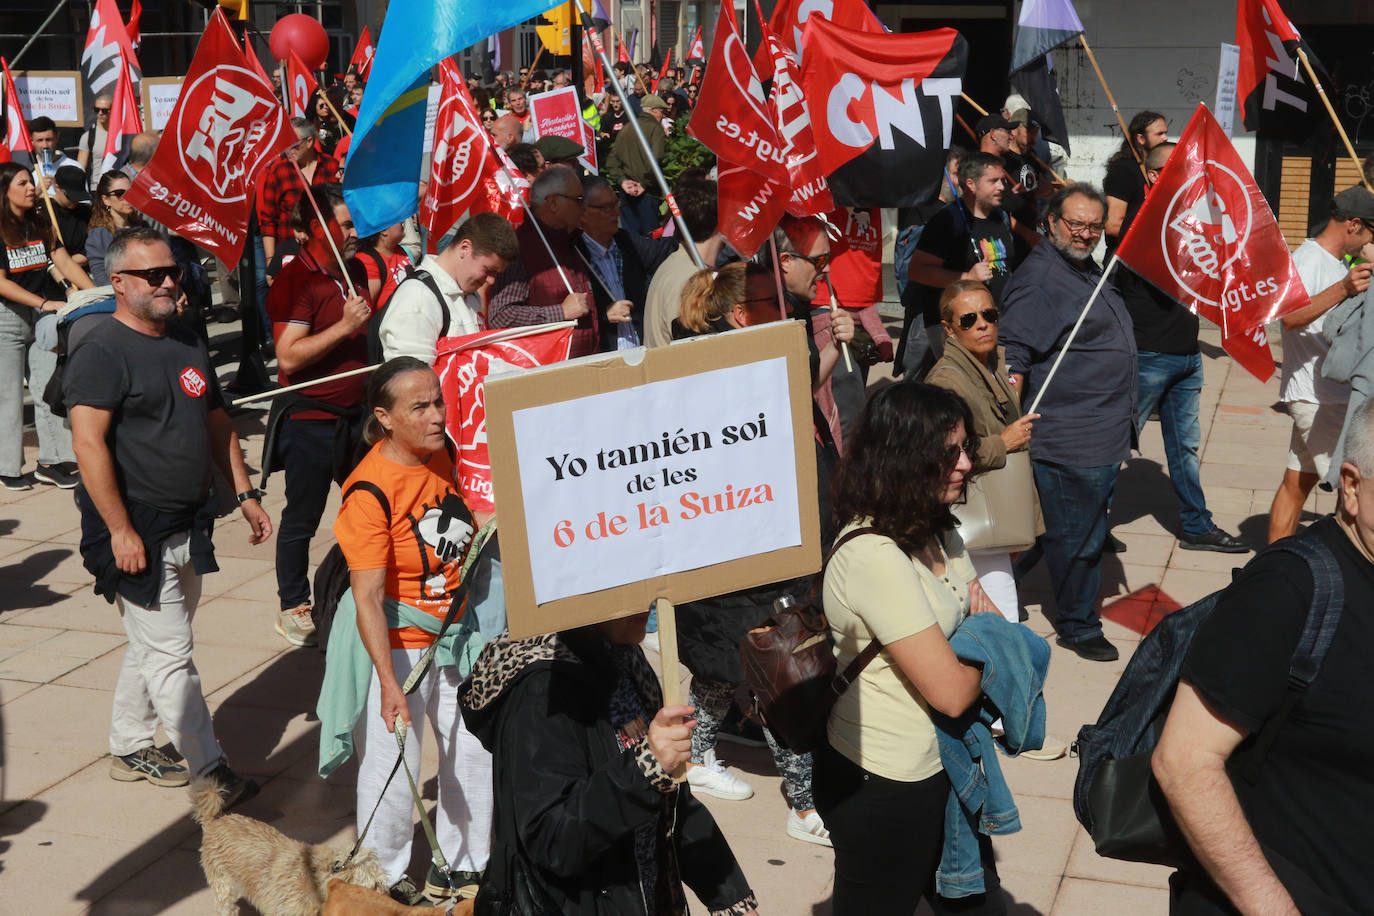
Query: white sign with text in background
{"type": "Point", "coordinates": [52, 94]}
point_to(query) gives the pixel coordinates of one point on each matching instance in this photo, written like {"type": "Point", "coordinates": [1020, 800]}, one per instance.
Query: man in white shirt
{"type": "Point", "coordinates": [1316, 404]}
{"type": "Point", "coordinates": [696, 198]}
{"type": "Point", "coordinates": [442, 298]}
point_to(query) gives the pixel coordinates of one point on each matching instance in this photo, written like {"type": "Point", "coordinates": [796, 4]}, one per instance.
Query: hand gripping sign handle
{"type": "Point", "coordinates": [1106, 271]}
{"type": "Point", "coordinates": [639, 135]}
{"type": "Point", "coordinates": [668, 658]}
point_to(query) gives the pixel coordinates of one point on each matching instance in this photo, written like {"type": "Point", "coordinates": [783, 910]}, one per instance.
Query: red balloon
{"type": "Point", "coordinates": [302, 34]}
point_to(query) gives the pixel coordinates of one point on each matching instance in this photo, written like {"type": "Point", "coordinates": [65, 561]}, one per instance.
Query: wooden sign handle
{"type": "Point", "coordinates": [667, 653]}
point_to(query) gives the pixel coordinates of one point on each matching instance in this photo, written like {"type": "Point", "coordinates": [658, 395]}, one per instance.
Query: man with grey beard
{"type": "Point", "coordinates": [1087, 421]}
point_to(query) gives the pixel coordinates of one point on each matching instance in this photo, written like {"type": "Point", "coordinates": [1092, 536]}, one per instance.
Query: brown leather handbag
{"type": "Point", "coordinates": [789, 664]}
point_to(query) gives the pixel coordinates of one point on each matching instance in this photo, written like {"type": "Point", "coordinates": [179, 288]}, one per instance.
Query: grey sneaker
{"type": "Point", "coordinates": [150, 764]}
{"type": "Point", "coordinates": [296, 627]}
{"type": "Point", "coordinates": [458, 885]}
{"type": "Point", "coordinates": [233, 788]}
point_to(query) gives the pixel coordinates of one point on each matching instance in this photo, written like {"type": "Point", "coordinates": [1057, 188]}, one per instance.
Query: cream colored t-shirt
{"type": "Point", "coordinates": [872, 588]}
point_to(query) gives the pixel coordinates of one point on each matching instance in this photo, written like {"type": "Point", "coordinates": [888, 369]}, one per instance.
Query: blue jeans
{"type": "Point", "coordinates": [901, 255]}
{"type": "Point", "coordinates": [1174, 383]}
{"type": "Point", "coordinates": [1074, 504]}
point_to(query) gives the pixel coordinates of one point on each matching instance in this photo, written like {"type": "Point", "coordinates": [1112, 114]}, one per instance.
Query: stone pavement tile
{"type": "Point", "coordinates": [47, 513]}
{"type": "Point", "coordinates": [1084, 862]}
{"type": "Point", "coordinates": [1210, 561]}
{"type": "Point", "coordinates": [261, 590]}
{"type": "Point", "coordinates": [31, 581]}
{"type": "Point", "coordinates": [225, 621]}
{"type": "Point", "coordinates": [1045, 779]}
{"type": "Point", "coordinates": [1188, 585]}
{"type": "Point", "coordinates": [1221, 450]}
{"type": "Point", "coordinates": [81, 644]}
{"type": "Point", "coordinates": [55, 717]}
{"type": "Point", "coordinates": [1093, 898]}
{"type": "Point", "coordinates": [12, 690]}
{"type": "Point", "coordinates": [1045, 840]}
{"type": "Point", "coordinates": [1124, 574]}
{"type": "Point", "coordinates": [11, 545]}
{"type": "Point", "coordinates": [28, 771]}
{"type": "Point", "coordinates": [235, 572]}
{"type": "Point", "coordinates": [174, 885]}
{"type": "Point", "coordinates": [1146, 547]}
{"type": "Point", "coordinates": [1254, 476]}
{"type": "Point", "coordinates": [1261, 435]}
{"type": "Point", "coordinates": [311, 811]}
{"type": "Point", "coordinates": [15, 637]}
{"type": "Point", "coordinates": [81, 609]}
{"type": "Point", "coordinates": [61, 873]}
{"type": "Point", "coordinates": [38, 667]}
{"type": "Point", "coordinates": [261, 743]}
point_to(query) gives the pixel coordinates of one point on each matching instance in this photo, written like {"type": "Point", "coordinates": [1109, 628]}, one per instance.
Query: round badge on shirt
{"type": "Point", "coordinates": [192, 382]}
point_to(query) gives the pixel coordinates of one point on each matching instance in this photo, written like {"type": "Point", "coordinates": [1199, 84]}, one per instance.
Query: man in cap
{"type": "Point", "coordinates": [994, 134]}
{"type": "Point", "coordinates": [630, 167]}
{"type": "Point", "coordinates": [72, 207]}
{"type": "Point", "coordinates": [1024, 170]}
{"type": "Point", "coordinates": [1318, 404]}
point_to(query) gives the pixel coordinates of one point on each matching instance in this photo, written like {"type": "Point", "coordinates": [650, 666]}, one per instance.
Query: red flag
{"type": "Point", "coordinates": [362, 55]}
{"type": "Point", "coordinates": [462, 364]}
{"type": "Point", "coordinates": [1273, 89]}
{"type": "Point", "coordinates": [732, 117]}
{"type": "Point", "coordinates": [882, 109]}
{"type": "Point", "coordinates": [105, 39]}
{"type": "Point", "coordinates": [301, 85]}
{"type": "Point", "coordinates": [810, 191]}
{"type": "Point", "coordinates": [748, 206]}
{"type": "Point", "coordinates": [252, 57]}
{"type": "Point", "coordinates": [135, 13]}
{"type": "Point", "coordinates": [789, 19]}
{"type": "Point", "coordinates": [591, 64]}
{"type": "Point", "coordinates": [695, 51]}
{"type": "Point", "coordinates": [1207, 238]}
{"type": "Point", "coordinates": [16, 124]}
{"type": "Point", "coordinates": [125, 123]}
{"type": "Point", "coordinates": [622, 56]}
{"type": "Point", "coordinates": [226, 126]}
{"type": "Point", "coordinates": [459, 164]}
{"type": "Point", "coordinates": [667, 62]}
{"type": "Point", "coordinates": [1251, 350]}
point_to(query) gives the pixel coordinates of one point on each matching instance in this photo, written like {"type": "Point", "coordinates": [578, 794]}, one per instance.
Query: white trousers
{"type": "Point", "coordinates": [463, 814]}
{"type": "Point", "coordinates": [159, 681]}
{"type": "Point", "coordinates": [994, 572]}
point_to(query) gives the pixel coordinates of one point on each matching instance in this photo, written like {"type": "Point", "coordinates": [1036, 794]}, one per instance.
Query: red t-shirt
{"type": "Point", "coordinates": [396, 266]}
{"type": "Point", "coordinates": [856, 258]}
{"type": "Point", "coordinates": [304, 295]}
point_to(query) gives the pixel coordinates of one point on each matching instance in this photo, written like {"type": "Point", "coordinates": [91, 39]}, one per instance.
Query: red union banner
{"type": "Point", "coordinates": [810, 191]}
{"type": "Point", "coordinates": [789, 19]}
{"type": "Point", "coordinates": [302, 86]}
{"type": "Point", "coordinates": [463, 364]}
{"type": "Point", "coordinates": [459, 164]}
{"type": "Point", "coordinates": [1207, 238]}
{"type": "Point", "coordinates": [226, 126]}
{"type": "Point", "coordinates": [748, 206]}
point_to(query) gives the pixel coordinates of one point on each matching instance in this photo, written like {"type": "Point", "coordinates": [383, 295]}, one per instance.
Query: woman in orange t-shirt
{"type": "Point", "coordinates": [405, 534]}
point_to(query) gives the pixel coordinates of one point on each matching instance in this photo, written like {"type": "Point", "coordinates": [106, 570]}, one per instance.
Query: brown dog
{"type": "Point", "coordinates": [245, 858]}
{"type": "Point", "coordinates": [348, 900]}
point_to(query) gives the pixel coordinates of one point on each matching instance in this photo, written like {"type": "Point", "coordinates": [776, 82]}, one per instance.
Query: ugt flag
{"type": "Point", "coordinates": [882, 109]}
{"type": "Point", "coordinates": [1275, 94]}
{"type": "Point", "coordinates": [1207, 238]}
{"type": "Point", "coordinates": [362, 55]}
{"type": "Point", "coordinates": [462, 364]}
{"type": "Point", "coordinates": [789, 19]}
{"type": "Point", "coordinates": [1043, 26]}
{"type": "Point", "coordinates": [125, 123]}
{"type": "Point", "coordinates": [460, 167]}
{"type": "Point", "coordinates": [100, 59]}
{"type": "Point", "coordinates": [226, 126]}
{"type": "Point", "coordinates": [810, 190]}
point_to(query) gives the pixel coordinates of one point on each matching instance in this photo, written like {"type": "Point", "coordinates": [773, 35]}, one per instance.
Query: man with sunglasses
{"type": "Point", "coordinates": [1087, 423]}
{"type": "Point", "coordinates": [147, 419]}
{"type": "Point", "coordinates": [534, 289]}
{"type": "Point", "coordinates": [1318, 404]}
{"type": "Point", "coordinates": [90, 151]}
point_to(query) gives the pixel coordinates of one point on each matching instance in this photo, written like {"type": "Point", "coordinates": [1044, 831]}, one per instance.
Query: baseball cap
{"type": "Point", "coordinates": [989, 123]}
{"type": "Point", "coordinates": [1024, 116]}
{"type": "Point", "coordinates": [652, 101]}
{"type": "Point", "coordinates": [72, 180]}
{"type": "Point", "coordinates": [1357, 202]}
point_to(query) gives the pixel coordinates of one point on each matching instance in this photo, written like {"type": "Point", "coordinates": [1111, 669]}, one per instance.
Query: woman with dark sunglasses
{"type": "Point", "coordinates": [110, 212]}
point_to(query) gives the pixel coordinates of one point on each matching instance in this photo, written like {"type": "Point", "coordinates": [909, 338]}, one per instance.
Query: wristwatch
{"type": "Point", "coordinates": [251, 494]}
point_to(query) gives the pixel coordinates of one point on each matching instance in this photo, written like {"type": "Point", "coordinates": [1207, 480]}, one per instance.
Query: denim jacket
{"type": "Point", "coordinates": [1015, 662]}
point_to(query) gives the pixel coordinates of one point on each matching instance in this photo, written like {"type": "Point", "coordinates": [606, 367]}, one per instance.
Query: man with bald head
{"type": "Point", "coordinates": [506, 131]}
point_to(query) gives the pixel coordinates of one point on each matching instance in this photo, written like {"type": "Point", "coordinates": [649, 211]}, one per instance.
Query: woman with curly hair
{"type": "Point", "coordinates": [907, 583]}
{"type": "Point", "coordinates": [110, 212]}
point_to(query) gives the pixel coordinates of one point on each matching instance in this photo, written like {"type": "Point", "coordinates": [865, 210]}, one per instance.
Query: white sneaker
{"type": "Point", "coordinates": [809, 829]}
{"type": "Point", "coordinates": [1052, 749]}
{"type": "Point", "coordinates": [711, 778]}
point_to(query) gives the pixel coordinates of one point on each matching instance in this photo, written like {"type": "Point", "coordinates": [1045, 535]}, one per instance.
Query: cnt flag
{"type": "Point", "coordinates": [1043, 26]}
{"type": "Point", "coordinates": [125, 123]}
{"type": "Point", "coordinates": [462, 364]}
{"type": "Point", "coordinates": [100, 59]}
{"type": "Point", "coordinates": [810, 190]}
{"type": "Point", "coordinates": [1275, 95]}
{"type": "Point", "coordinates": [1207, 238]}
{"type": "Point", "coordinates": [302, 86]}
{"type": "Point", "coordinates": [226, 126]}
{"type": "Point", "coordinates": [789, 19]}
{"type": "Point", "coordinates": [362, 55]}
{"type": "Point", "coordinates": [16, 131]}
{"type": "Point", "coordinates": [882, 109]}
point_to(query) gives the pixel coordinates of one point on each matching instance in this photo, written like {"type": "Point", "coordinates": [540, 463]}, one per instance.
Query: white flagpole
{"type": "Point", "coordinates": [1040, 392]}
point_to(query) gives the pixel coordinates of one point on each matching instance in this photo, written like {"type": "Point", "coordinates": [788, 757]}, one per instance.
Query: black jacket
{"type": "Point", "coordinates": [641, 257]}
{"type": "Point", "coordinates": [567, 799]}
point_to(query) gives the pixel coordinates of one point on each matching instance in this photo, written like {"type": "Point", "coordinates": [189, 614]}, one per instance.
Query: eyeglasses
{"type": "Point", "coordinates": [969, 319]}
{"type": "Point", "coordinates": [155, 276]}
{"type": "Point", "coordinates": [1077, 226]}
{"type": "Point", "coordinates": [577, 199]}
{"type": "Point", "coordinates": [608, 206]}
{"type": "Point", "coordinates": [117, 192]}
{"type": "Point", "coordinates": [819, 261]}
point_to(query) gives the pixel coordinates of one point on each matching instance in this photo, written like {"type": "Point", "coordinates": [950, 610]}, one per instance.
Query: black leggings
{"type": "Point", "coordinates": [888, 837]}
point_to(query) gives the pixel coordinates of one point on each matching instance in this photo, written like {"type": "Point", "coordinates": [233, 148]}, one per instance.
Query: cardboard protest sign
{"type": "Point", "coordinates": [556, 114]}
{"type": "Point", "coordinates": [159, 98]}
{"type": "Point", "coordinates": [689, 474]}
{"type": "Point", "coordinates": [54, 94]}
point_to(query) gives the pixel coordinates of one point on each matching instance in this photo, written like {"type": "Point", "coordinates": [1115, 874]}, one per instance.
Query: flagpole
{"type": "Point", "coordinates": [1030, 152]}
{"type": "Point", "coordinates": [1040, 392]}
{"type": "Point", "coordinates": [325, 95]}
{"type": "Point", "coordinates": [324, 228]}
{"type": "Point", "coordinates": [633, 69]}
{"type": "Point", "coordinates": [52, 214]}
{"type": "Point", "coordinates": [1130, 141]}
{"type": "Point", "coordinates": [600, 47]}
{"type": "Point", "coordinates": [1340, 128]}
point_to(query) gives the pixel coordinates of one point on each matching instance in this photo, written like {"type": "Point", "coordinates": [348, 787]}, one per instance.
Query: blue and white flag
{"type": "Point", "coordinates": [1043, 26]}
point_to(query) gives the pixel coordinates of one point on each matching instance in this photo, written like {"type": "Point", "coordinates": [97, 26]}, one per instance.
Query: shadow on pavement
{"type": "Point", "coordinates": [22, 582]}
{"type": "Point", "coordinates": [18, 819]}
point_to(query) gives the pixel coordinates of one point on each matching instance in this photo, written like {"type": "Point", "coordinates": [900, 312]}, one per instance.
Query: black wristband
{"type": "Point", "coordinates": [250, 494]}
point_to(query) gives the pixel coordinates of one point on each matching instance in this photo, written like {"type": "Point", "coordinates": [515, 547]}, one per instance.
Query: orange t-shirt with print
{"type": "Point", "coordinates": [423, 548]}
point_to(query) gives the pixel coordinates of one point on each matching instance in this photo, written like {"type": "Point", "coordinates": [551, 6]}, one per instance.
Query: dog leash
{"type": "Point", "coordinates": [412, 681]}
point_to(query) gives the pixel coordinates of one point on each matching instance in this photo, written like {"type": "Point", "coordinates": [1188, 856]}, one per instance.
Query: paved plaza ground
{"type": "Point", "coordinates": [74, 841]}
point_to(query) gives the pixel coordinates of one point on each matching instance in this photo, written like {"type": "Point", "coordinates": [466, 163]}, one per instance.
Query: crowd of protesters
{"type": "Point", "coordinates": [556, 788]}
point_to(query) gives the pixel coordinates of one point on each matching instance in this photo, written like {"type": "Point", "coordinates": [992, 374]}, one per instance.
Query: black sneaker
{"type": "Point", "coordinates": [1215, 540]}
{"type": "Point", "coordinates": [1096, 649]}
{"type": "Point", "coordinates": [151, 764]}
{"type": "Point", "coordinates": [459, 885]}
{"type": "Point", "coordinates": [234, 789]}
{"type": "Point", "coordinates": [16, 483]}
{"type": "Point", "coordinates": [56, 475]}
{"type": "Point", "coordinates": [405, 891]}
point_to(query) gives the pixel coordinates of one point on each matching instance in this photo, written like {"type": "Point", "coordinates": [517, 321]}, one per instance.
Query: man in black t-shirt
{"type": "Point", "coordinates": [970, 239]}
{"type": "Point", "coordinates": [1289, 837]}
{"type": "Point", "coordinates": [1169, 370]}
{"type": "Point", "coordinates": [1124, 185]}
{"type": "Point", "coordinates": [147, 418]}
{"type": "Point", "coordinates": [72, 207]}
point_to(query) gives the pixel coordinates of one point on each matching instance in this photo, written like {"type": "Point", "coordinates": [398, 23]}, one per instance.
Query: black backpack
{"type": "Point", "coordinates": [374, 325]}
{"type": "Point", "coordinates": [1116, 797]}
{"type": "Point", "coordinates": [332, 579]}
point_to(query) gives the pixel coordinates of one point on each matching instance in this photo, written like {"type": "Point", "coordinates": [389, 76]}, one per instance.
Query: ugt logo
{"type": "Point", "coordinates": [1205, 230]}
{"type": "Point", "coordinates": [192, 382]}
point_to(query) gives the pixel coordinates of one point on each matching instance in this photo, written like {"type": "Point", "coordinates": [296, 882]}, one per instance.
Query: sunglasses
{"type": "Point", "coordinates": [155, 276]}
{"type": "Point", "coordinates": [117, 192]}
{"type": "Point", "coordinates": [102, 111]}
{"type": "Point", "coordinates": [969, 319]}
{"type": "Point", "coordinates": [820, 261]}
